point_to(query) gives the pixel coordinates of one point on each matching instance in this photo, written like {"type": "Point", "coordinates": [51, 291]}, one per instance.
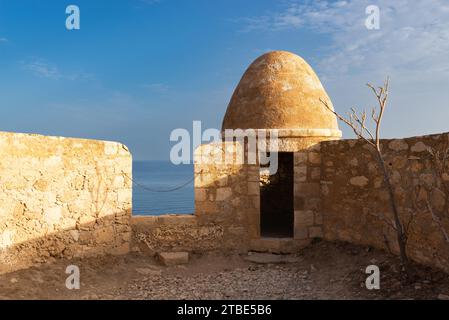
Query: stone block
{"type": "Point", "coordinates": [299, 203]}
{"type": "Point", "coordinates": [315, 173]}
{"type": "Point", "coordinates": [301, 233]}
{"type": "Point", "coordinates": [398, 145]}
{"type": "Point", "coordinates": [315, 232]}
{"type": "Point", "coordinates": [314, 158]}
{"type": "Point", "coordinates": [304, 218]}
{"type": "Point", "coordinates": [318, 218]}
{"type": "Point", "coordinates": [173, 258]}
{"type": "Point", "coordinates": [104, 235]}
{"type": "Point", "coordinates": [300, 158]}
{"type": "Point", "coordinates": [359, 181]}
{"type": "Point", "coordinates": [313, 204]}
{"type": "Point", "coordinates": [200, 194]}
{"type": "Point", "coordinates": [419, 147]}
{"type": "Point", "coordinates": [253, 188]}
{"type": "Point", "coordinates": [307, 189]}
{"type": "Point", "coordinates": [206, 207]}
{"type": "Point", "coordinates": [223, 193]}
{"type": "Point", "coordinates": [300, 173]}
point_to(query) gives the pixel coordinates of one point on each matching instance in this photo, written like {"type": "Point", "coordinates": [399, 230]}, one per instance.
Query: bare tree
{"type": "Point", "coordinates": [357, 121]}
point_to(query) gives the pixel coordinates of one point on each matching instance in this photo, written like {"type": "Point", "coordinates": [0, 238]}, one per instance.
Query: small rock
{"type": "Point", "coordinates": [419, 147]}
{"type": "Point", "coordinates": [13, 280]}
{"type": "Point", "coordinates": [443, 297]}
{"type": "Point", "coordinates": [173, 258]}
{"type": "Point", "coordinates": [359, 181]}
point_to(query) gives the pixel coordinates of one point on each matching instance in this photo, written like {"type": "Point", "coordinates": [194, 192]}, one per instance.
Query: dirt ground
{"type": "Point", "coordinates": [322, 271]}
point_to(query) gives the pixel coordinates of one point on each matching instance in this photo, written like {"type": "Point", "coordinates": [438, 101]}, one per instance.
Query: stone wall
{"type": "Point", "coordinates": [62, 197]}
{"type": "Point", "coordinates": [226, 207]}
{"type": "Point", "coordinates": [354, 197]}
{"type": "Point", "coordinates": [227, 204]}
{"type": "Point", "coordinates": [307, 201]}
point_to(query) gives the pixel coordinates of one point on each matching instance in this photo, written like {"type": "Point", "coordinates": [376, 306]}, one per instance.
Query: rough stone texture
{"type": "Point", "coordinates": [72, 198]}
{"type": "Point", "coordinates": [152, 234]}
{"type": "Point", "coordinates": [353, 197]}
{"type": "Point", "coordinates": [226, 208]}
{"type": "Point", "coordinates": [338, 188]}
{"type": "Point", "coordinates": [279, 90]}
{"type": "Point", "coordinates": [62, 198]}
{"type": "Point", "coordinates": [307, 192]}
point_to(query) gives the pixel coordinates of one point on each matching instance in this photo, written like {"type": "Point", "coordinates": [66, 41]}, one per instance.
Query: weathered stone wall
{"type": "Point", "coordinates": [227, 192]}
{"type": "Point", "coordinates": [354, 196]}
{"type": "Point", "coordinates": [227, 204]}
{"type": "Point", "coordinates": [307, 201]}
{"type": "Point", "coordinates": [226, 207]}
{"type": "Point", "coordinates": [62, 197]}
{"type": "Point", "coordinates": [339, 194]}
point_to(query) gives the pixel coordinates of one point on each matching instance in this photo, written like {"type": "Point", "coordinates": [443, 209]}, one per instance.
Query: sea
{"type": "Point", "coordinates": [153, 184]}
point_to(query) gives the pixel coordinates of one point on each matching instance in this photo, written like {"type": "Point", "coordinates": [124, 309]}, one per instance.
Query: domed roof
{"type": "Point", "coordinates": [279, 90]}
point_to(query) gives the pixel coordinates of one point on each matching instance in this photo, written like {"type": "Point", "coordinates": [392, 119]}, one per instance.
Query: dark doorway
{"type": "Point", "coordinates": [276, 199]}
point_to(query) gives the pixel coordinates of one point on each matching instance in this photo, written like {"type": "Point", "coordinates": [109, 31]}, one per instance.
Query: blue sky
{"type": "Point", "coordinates": [138, 69]}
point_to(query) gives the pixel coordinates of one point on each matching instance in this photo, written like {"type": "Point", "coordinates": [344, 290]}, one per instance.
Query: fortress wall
{"type": "Point", "coordinates": [354, 195]}
{"type": "Point", "coordinates": [226, 208]}
{"type": "Point", "coordinates": [62, 197]}
{"type": "Point", "coordinates": [307, 191]}
{"type": "Point", "coordinates": [308, 221]}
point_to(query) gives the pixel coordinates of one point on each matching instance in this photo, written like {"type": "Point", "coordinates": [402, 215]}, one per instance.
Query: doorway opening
{"type": "Point", "coordinates": [276, 199]}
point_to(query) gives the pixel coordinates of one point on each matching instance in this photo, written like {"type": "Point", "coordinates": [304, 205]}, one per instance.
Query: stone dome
{"type": "Point", "coordinates": [279, 90]}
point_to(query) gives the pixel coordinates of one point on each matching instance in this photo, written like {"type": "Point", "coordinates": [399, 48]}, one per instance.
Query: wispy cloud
{"type": "Point", "coordinates": [42, 69]}
{"type": "Point", "coordinates": [155, 87]}
{"type": "Point", "coordinates": [411, 46]}
{"type": "Point", "coordinates": [45, 69]}
{"type": "Point", "coordinates": [304, 14]}
{"type": "Point", "coordinates": [413, 35]}
{"type": "Point", "coordinates": [3, 39]}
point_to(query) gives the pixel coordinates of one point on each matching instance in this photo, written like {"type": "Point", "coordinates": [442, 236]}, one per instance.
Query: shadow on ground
{"type": "Point", "coordinates": [323, 271]}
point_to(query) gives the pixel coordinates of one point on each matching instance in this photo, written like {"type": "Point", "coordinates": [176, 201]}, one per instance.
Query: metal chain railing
{"type": "Point", "coordinates": [150, 189]}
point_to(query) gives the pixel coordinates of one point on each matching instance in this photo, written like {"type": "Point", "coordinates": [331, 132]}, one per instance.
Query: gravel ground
{"type": "Point", "coordinates": [242, 283]}
{"type": "Point", "coordinates": [322, 271]}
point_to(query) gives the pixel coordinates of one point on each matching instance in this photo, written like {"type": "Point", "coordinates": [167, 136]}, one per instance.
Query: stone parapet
{"type": "Point", "coordinates": [62, 197]}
